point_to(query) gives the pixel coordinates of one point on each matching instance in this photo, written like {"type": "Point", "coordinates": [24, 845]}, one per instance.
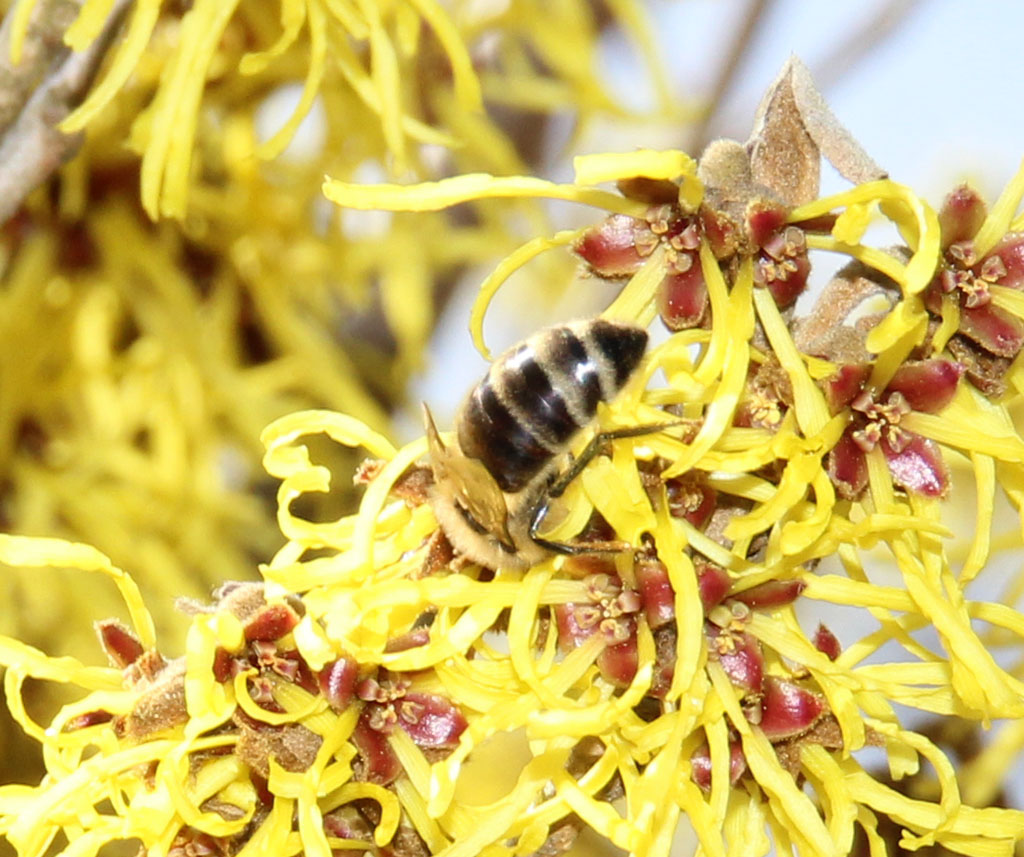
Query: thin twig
{"type": "Point", "coordinates": [39, 92]}
{"type": "Point", "coordinates": [699, 135]}
{"type": "Point", "coordinates": [827, 72]}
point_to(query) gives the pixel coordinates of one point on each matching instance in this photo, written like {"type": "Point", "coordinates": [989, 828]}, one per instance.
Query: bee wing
{"type": "Point", "coordinates": [475, 488]}
{"type": "Point", "coordinates": [481, 496]}
{"type": "Point", "coordinates": [438, 451]}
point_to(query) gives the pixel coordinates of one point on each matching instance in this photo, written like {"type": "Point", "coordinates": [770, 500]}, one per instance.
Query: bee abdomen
{"type": "Point", "coordinates": [540, 393]}
{"type": "Point", "coordinates": [489, 432]}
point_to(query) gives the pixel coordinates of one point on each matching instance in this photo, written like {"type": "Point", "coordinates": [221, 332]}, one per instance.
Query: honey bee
{"type": "Point", "coordinates": [493, 486]}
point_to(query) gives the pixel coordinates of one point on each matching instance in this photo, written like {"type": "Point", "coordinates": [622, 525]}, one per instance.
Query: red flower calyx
{"type": "Point", "coordinates": [967, 278]}
{"type": "Point", "coordinates": [915, 462]}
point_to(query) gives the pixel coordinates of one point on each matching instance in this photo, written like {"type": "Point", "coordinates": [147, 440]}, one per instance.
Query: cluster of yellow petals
{"type": "Point", "coordinates": [359, 580]}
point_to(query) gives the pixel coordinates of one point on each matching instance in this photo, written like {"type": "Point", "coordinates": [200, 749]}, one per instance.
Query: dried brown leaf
{"type": "Point", "coordinates": [793, 128]}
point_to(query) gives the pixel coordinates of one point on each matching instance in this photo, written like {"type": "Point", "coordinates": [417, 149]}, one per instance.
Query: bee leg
{"type": "Point", "coordinates": [594, 448]}
{"type": "Point", "coordinates": [571, 548]}
{"type": "Point", "coordinates": [557, 488]}
{"type": "Point", "coordinates": [536, 519]}
{"type": "Point", "coordinates": [583, 548]}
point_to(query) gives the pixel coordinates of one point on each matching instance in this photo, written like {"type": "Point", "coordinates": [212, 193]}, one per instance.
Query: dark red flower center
{"type": "Point", "coordinates": [966, 276]}
{"type": "Point", "coordinates": [778, 261]}
{"type": "Point", "coordinates": [881, 421]}
{"type": "Point", "coordinates": [609, 610]}
{"type": "Point", "coordinates": [381, 698]}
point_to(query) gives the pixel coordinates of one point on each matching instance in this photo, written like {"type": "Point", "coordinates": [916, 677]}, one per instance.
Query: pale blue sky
{"type": "Point", "coordinates": [934, 102]}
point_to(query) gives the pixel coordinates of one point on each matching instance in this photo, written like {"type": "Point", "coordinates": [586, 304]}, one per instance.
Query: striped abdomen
{"type": "Point", "coordinates": [539, 393]}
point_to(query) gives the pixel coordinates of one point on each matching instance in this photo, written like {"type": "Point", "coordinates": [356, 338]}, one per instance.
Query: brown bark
{"type": "Point", "coordinates": [38, 92]}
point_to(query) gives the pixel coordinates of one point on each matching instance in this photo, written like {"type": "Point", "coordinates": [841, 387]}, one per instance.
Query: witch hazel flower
{"type": "Point", "coordinates": [610, 611]}
{"type": "Point", "coordinates": [753, 227]}
{"type": "Point", "coordinates": [988, 335]}
{"type": "Point", "coordinates": [619, 246]}
{"type": "Point", "coordinates": [741, 209]}
{"type": "Point", "coordinates": [390, 703]}
{"type": "Point", "coordinates": [915, 462]}
{"type": "Point", "coordinates": [745, 215]}
{"type": "Point", "coordinates": [788, 713]}
{"type": "Point", "coordinates": [768, 396]}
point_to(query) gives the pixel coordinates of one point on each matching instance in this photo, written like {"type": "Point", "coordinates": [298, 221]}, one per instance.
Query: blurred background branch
{"type": "Point", "coordinates": [38, 90]}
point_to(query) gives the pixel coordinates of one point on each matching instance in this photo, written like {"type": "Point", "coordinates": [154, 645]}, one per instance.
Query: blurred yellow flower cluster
{"type": "Point", "coordinates": [143, 358]}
